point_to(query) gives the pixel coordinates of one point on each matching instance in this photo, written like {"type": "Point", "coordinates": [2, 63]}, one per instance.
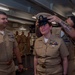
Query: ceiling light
{"type": "Point", "coordinates": [3, 8]}
{"type": "Point", "coordinates": [34, 17]}
{"type": "Point", "coordinates": [53, 22]}
{"type": "Point", "coordinates": [22, 28]}
{"type": "Point", "coordinates": [73, 13]}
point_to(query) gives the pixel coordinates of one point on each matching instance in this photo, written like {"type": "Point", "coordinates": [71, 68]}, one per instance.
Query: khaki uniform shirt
{"type": "Point", "coordinates": [49, 55]}
{"type": "Point", "coordinates": [7, 44]}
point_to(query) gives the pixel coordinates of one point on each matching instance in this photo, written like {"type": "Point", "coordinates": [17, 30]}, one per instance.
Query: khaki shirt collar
{"type": "Point", "coordinates": [51, 39]}
{"type": "Point", "coordinates": [2, 32]}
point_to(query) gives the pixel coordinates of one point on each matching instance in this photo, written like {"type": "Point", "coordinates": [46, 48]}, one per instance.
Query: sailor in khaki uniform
{"type": "Point", "coordinates": [69, 28]}
{"type": "Point", "coordinates": [6, 53]}
{"type": "Point", "coordinates": [22, 43]}
{"type": "Point", "coordinates": [8, 45]}
{"type": "Point", "coordinates": [50, 52]}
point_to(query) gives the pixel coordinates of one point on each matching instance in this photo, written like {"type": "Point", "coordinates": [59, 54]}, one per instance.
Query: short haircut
{"type": "Point", "coordinates": [1, 12]}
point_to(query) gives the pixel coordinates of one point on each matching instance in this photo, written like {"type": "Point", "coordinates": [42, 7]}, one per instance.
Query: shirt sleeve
{"type": "Point", "coordinates": [63, 49]}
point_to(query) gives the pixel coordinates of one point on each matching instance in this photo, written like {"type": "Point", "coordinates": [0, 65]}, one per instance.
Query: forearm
{"type": "Point", "coordinates": [65, 26]}
{"type": "Point", "coordinates": [68, 29]}
{"type": "Point", "coordinates": [18, 56]}
{"type": "Point", "coordinates": [65, 66]}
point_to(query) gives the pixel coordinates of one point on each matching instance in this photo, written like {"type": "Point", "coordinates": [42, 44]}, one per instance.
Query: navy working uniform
{"type": "Point", "coordinates": [7, 44]}
{"type": "Point", "coordinates": [49, 55]}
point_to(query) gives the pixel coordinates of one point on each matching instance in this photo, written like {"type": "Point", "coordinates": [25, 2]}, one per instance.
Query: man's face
{"type": "Point", "coordinates": [3, 20]}
{"type": "Point", "coordinates": [70, 22]}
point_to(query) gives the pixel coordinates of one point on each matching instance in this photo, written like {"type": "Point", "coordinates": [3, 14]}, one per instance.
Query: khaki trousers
{"type": "Point", "coordinates": [7, 69]}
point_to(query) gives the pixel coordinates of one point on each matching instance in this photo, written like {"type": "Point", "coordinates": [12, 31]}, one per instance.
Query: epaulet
{"type": "Point", "coordinates": [39, 39]}
{"type": "Point", "coordinates": [10, 33]}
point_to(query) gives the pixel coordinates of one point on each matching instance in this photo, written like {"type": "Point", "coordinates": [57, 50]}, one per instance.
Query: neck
{"type": "Point", "coordinates": [47, 35]}
{"type": "Point", "coordinates": [2, 28]}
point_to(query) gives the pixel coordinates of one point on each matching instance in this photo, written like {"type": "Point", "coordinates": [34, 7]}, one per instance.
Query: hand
{"type": "Point", "coordinates": [54, 18]}
{"type": "Point", "coordinates": [20, 66]}
{"type": "Point", "coordinates": [36, 23]}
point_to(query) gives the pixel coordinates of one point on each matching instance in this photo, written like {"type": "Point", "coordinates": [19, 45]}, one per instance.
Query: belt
{"type": "Point", "coordinates": [48, 66]}
{"type": "Point", "coordinates": [6, 62]}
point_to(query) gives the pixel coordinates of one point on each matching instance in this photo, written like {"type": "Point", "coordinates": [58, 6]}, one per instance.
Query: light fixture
{"type": "Point", "coordinates": [34, 17]}
{"type": "Point", "coordinates": [22, 28]}
{"type": "Point", "coordinates": [73, 13]}
{"type": "Point", "coordinates": [4, 8]}
{"type": "Point", "coordinates": [53, 22]}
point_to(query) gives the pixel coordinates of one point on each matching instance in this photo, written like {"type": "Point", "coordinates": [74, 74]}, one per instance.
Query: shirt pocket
{"type": "Point", "coordinates": [11, 42]}
{"type": "Point", "coordinates": [53, 50]}
{"type": "Point", "coordinates": [40, 51]}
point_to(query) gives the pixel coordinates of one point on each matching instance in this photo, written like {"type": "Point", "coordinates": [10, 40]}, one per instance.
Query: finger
{"type": "Point", "coordinates": [51, 20]}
